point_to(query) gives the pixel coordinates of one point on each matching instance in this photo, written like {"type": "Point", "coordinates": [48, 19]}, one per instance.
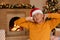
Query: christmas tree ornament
{"type": "Point", "coordinates": [51, 6]}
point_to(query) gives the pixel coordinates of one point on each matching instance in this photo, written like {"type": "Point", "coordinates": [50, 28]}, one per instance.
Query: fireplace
{"type": "Point", "coordinates": [10, 19]}
{"type": "Point", "coordinates": [11, 23]}
{"type": "Point", "coordinates": [9, 15]}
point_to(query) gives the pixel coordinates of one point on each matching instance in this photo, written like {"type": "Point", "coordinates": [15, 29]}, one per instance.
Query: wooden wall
{"type": "Point", "coordinates": [14, 1]}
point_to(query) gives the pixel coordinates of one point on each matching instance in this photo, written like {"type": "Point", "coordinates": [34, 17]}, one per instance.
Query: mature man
{"type": "Point", "coordinates": [38, 27]}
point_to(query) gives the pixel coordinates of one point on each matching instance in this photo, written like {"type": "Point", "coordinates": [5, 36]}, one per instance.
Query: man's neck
{"type": "Point", "coordinates": [42, 21]}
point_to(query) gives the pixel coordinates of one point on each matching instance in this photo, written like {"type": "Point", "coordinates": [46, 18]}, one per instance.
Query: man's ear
{"type": "Point", "coordinates": [43, 15]}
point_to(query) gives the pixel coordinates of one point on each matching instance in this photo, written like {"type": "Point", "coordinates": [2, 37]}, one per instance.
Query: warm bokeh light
{"type": "Point", "coordinates": [15, 27]}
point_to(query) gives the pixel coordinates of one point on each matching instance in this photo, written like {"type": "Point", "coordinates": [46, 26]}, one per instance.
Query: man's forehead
{"type": "Point", "coordinates": [37, 14]}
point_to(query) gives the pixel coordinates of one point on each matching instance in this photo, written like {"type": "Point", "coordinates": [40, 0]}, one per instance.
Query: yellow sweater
{"type": "Point", "coordinates": [40, 31]}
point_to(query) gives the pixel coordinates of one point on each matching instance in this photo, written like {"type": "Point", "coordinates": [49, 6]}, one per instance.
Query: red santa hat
{"type": "Point", "coordinates": [35, 11]}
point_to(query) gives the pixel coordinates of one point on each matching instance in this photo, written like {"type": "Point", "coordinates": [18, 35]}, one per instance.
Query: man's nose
{"type": "Point", "coordinates": [37, 18]}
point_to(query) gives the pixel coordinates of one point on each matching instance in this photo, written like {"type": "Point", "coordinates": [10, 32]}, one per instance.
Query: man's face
{"type": "Point", "coordinates": [38, 17]}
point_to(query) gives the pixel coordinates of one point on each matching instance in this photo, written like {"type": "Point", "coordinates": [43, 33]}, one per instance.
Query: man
{"type": "Point", "coordinates": [38, 27]}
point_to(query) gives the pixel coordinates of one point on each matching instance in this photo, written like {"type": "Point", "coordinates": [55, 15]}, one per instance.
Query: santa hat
{"type": "Point", "coordinates": [35, 11]}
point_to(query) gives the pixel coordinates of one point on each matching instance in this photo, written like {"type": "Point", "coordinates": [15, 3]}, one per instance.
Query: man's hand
{"type": "Point", "coordinates": [45, 16]}
{"type": "Point", "coordinates": [30, 19]}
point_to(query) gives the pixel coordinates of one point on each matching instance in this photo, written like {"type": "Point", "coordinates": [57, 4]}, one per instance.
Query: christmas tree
{"type": "Point", "coordinates": [51, 6]}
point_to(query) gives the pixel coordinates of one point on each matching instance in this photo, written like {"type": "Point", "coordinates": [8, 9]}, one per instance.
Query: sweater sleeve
{"type": "Point", "coordinates": [54, 15]}
{"type": "Point", "coordinates": [21, 22]}
{"type": "Point", "coordinates": [55, 20]}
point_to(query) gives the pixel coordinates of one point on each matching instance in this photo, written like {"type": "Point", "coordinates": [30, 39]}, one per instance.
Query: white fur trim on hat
{"type": "Point", "coordinates": [37, 11]}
